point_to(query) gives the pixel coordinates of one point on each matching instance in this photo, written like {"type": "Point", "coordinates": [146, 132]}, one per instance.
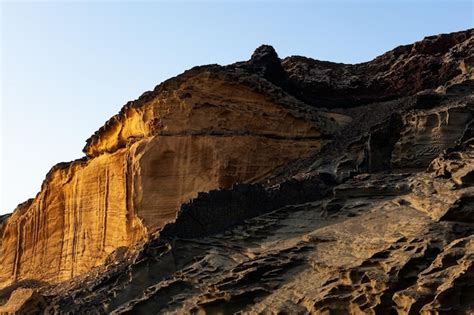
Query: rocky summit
{"type": "Point", "coordinates": [269, 186]}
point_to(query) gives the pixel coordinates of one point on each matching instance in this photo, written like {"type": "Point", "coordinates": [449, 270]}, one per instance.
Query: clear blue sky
{"type": "Point", "coordinates": [67, 67]}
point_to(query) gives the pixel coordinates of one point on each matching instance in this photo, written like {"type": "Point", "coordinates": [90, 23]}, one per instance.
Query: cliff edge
{"type": "Point", "coordinates": [267, 186]}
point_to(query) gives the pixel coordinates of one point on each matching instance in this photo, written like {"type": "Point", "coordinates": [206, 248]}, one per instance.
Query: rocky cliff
{"type": "Point", "coordinates": [206, 129]}
{"type": "Point", "coordinates": [267, 186]}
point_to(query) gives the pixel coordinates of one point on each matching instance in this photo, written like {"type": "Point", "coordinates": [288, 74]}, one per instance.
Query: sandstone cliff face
{"type": "Point", "coordinates": [202, 131]}
{"type": "Point", "coordinates": [366, 209]}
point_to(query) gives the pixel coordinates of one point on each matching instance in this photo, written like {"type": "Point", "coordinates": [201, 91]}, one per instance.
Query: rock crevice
{"type": "Point", "coordinates": [267, 186]}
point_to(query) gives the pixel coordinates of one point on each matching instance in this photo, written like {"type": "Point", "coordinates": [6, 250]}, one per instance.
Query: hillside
{"type": "Point", "coordinates": [267, 186]}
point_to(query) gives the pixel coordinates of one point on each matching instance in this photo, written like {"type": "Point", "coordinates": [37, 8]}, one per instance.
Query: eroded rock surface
{"type": "Point", "coordinates": [201, 131]}
{"type": "Point", "coordinates": [268, 186]}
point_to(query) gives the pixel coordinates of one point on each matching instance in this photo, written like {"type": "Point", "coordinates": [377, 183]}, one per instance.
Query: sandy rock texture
{"type": "Point", "coordinates": [270, 186]}
{"type": "Point", "coordinates": [203, 130]}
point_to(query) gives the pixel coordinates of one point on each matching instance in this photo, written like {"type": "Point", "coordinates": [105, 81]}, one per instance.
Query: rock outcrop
{"type": "Point", "coordinates": [406, 70]}
{"type": "Point", "coordinates": [208, 128]}
{"type": "Point", "coordinates": [267, 186]}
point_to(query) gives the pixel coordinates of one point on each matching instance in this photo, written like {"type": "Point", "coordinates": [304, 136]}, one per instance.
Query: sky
{"type": "Point", "coordinates": [66, 67]}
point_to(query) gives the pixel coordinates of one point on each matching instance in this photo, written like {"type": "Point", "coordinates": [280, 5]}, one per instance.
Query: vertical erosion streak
{"type": "Point", "coordinates": [62, 206]}
{"type": "Point", "coordinates": [127, 178]}
{"type": "Point", "coordinates": [436, 131]}
{"type": "Point", "coordinates": [441, 120]}
{"type": "Point", "coordinates": [16, 263]}
{"type": "Point", "coordinates": [40, 231]}
{"type": "Point", "coordinates": [106, 200]}
{"type": "Point", "coordinates": [74, 228]}
{"type": "Point", "coordinates": [185, 167]}
{"type": "Point", "coordinates": [34, 223]}
{"type": "Point", "coordinates": [100, 206]}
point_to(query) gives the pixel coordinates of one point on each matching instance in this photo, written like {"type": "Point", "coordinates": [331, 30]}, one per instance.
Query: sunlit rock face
{"type": "Point", "coordinates": [269, 186]}
{"type": "Point", "coordinates": [427, 133]}
{"type": "Point", "coordinates": [80, 215]}
{"type": "Point", "coordinates": [200, 132]}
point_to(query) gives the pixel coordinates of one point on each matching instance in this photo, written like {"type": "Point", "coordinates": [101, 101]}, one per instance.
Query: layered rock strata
{"type": "Point", "coordinates": [363, 209]}
{"type": "Point", "coordinates": [209, 128]}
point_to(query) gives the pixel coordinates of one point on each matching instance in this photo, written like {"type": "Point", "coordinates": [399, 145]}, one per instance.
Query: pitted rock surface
{"type": "Point", "coordinates": [269, 186]}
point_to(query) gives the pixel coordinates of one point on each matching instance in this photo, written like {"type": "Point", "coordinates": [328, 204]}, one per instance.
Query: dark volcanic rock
{"type": "Point", "coordinates": [3, 218]}
{"type": "Point", "coordinates": [378, 219]}
{"type": "Point", "coordinates": [265, 63]}
{"type": "Point", "coordinates": [404, 71]}
{"type": "Point", "coordinates": [219, 210]}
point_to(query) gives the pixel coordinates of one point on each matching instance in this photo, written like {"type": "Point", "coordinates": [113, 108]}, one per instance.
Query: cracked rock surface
{"type": "Point", "coordinates": [270, 186]}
